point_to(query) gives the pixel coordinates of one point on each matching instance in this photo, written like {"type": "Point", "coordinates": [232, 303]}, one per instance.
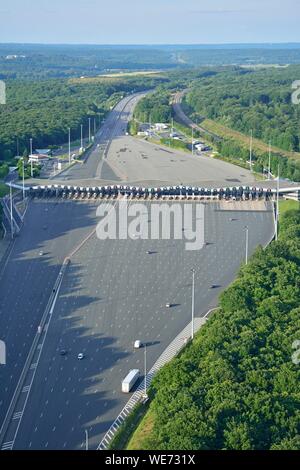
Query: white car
{"type": "Point", "coordinates": [137, 344]}
{"type": "Point", "coordinates": [168, 305]}
{"type": "Point", "coordinates": [80, 356]}
{"type": "Point", "coordinates": [41, 253]}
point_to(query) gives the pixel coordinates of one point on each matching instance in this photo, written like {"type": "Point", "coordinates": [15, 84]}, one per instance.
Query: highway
{"type": "Point", "coordinates": [115, 125]}
{"type": "Point", "coordinates": [122, 159]}
{"type": "Point", "coordinates": [184, 119]}
{"type": "Point", "coordinates": [28, 278]}
{"type": "Point", "coordinates": [113, 293]}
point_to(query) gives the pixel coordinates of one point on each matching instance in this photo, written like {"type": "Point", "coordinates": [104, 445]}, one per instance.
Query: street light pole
{"type": "Point", "coordinates": [193, 303]}
{"type": "Point", "coordinates": [251, 143]}
{"type": "Point", "coordinates": [81, 136]}
{"type": "Point", "coordinates": [89, 130]}
{"type": "Point", "coordinates": [192, 141]}
{"type": "Point", "coordinates": [145, 370]}
{"type": "Point", "coordinates": [86, 440]}
{"type": "Point", "coordinates": [277, 206]}
{"type": "Point", "coordinates": [69, 146]}
{"type": "Point", "coordinates": [11, 212]}
{"type": "Point", "coordinates": [269, 168]}
{"type": "Point", "coordinates": [31, 164]}
{"type": "Point", "coordinates": [23, 179]}
{"type": "Point", "coordinates": [247, 243]}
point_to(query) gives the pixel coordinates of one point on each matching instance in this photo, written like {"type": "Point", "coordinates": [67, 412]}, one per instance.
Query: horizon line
{"type": "Point", "coordinates": [265, 43]}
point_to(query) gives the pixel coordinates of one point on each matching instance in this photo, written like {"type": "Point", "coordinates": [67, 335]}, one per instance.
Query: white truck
{"type": "Point", "coordinates": [130, 380]}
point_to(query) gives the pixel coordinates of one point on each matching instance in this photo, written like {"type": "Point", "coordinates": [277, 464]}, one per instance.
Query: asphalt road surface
{"type": "Point", "coordinates": [115, 125]}
{"type": "Point", "coordinates": [116, 158]}
{"type": "Point", "coordinates": [112, 294]}
{"type": "Point", "coordinates": [136, 161]}
{"type": "Point", "coordinates": [28, 278]}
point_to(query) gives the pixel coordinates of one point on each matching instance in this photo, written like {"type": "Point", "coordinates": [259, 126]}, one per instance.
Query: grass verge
{"type": "Point", "coordinates": [288, 205]}
{"type": "Point", "coordinates": [138, 440]}
{"type": "Point", "coordinates": [126, 430]}
{"type": "Point", "coordinates": [224, 131]}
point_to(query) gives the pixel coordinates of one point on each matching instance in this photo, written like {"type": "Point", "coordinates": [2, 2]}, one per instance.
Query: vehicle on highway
{"type": "Point", "coordinates": [168, 305]}
{"type": "Point", "coordinates": [137, 344]}
{"type": "Point", "coordinates": [41, 253]}
{"type": "Point", "coordinates": [80, 356]}
{"type": "Point", "coordinates": [130, 380]}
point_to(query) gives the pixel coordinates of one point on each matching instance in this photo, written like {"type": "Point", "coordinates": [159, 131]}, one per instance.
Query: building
{"type": "Point", "coordinates": [38, 158]}
{"type": "Point", "coordinates": [159, 126]}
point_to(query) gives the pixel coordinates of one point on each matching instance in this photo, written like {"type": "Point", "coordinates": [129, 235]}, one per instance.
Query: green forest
{"type": "Point", "coordinates": [44, 110]}
{"type": "Point", "coordinates": [43, 61]}
{"type": "Point", "coordinates": [155, 107]}
{"type": "Point", "coordinates": [252, 99]}
{"type": "Point", "coordinates": [236, 386]}
{"type": "Point", "coordinates": [245, 99]}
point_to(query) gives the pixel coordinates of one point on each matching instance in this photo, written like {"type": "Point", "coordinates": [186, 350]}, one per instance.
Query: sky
{"type": "Point", "coordinates": [149, 22]}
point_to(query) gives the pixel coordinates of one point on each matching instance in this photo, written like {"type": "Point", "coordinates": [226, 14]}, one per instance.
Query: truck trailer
{"type": "Point", "coordinates": [130, 380]}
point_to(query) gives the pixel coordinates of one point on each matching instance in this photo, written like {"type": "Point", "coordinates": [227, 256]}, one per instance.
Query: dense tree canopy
{"type": "Point", "coordinates": [44, 110]}
{"type": "Point", "coordinates": [259, 100]}
{"type": "Point", "coordinates": [155, 107]}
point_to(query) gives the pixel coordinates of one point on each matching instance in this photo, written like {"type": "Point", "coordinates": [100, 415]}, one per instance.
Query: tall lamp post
{"type": "Point", "coordinates": [69, 146]}
{"type": "Point", "coordinates": [31, 164]}
{"type": "Point", "coordinates": [11, 212]}
{"type": "Point", "coordinates": [247, 243]}
{"type": "Point", "coordinates": [251, 144]}
{"type": "Point", "coordinates": [81, 127]}
{"type": "Point", "coordinates": [193, 303]}
{"type": "Point", "coordinates": [145, 371]}
{"type": "Point", "coordinates": [269, 168]}
{"type": "Point", "coordinates": [277, 206]}
{"type": "Point", "coordinates": [23, 162]}
{"type": "Point", "coordinates": [86, 440]}
{"type": "Point", "coordinates": [192, 141]}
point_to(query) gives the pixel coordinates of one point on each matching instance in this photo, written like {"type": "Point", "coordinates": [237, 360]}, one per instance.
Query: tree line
{"type": "Point", "coordinates": [44, 110]}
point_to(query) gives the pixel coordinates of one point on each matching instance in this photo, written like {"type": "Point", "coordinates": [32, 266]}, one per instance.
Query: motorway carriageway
{"type": "Point", "coordinates": [114, 292]}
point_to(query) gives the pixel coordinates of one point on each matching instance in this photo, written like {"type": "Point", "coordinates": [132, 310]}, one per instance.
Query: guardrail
{"type": "Point", "coordinates": [170, 352]}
